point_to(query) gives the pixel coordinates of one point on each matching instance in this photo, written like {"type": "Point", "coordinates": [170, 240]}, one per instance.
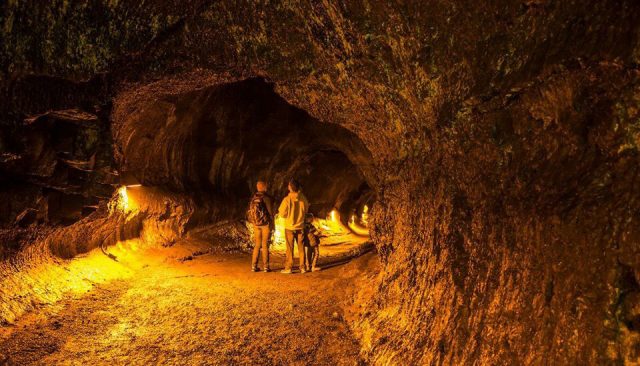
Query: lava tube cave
{"type": "Point", "coordinates": [320, 183]}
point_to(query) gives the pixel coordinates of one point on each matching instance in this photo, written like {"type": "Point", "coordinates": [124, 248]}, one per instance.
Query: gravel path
{"type": "Point", "coordinates": [206, 311]}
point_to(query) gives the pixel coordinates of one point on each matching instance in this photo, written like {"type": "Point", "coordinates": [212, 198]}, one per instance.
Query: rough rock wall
{"type": "Point", "coordinates": [504, 133]}
{"type": "Point", "coordinates": [225, 137]}
{"type": "Point", "coordinates": [530, 224]}
{"type": "Point", "coordinates": [55, 151]}
{"type": "Point", "coordinates": [38, 273]}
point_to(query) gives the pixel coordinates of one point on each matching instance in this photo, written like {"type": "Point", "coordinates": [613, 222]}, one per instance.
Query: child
{"type": "Point", "coordinates": [312, 244]}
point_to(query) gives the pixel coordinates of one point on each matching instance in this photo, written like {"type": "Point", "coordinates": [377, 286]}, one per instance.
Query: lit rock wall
{"type": "Point", "coordinates": [215, 143]}
{"type": "Point", "coordinates": [44, 270]}
{"type": "Point", "coordinates": [503, 136]}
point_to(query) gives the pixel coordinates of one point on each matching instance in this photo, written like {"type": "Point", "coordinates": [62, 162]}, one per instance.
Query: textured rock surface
{"type": "Point", "coordinates": [56, 161]}
{"type": "Point", "coordinates": [503, 138]}
{"type": "Point", "coordinates": [34, 273]}
{"type": "Point", "coordinates": [225, 138]}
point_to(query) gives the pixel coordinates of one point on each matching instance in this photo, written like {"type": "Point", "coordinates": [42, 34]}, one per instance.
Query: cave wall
{"type": "Point", "coordinates": [504, 141]}
{"type": "Point", "coordinates": [38, 271]}
{"type": "Point", "coordinates": [56, 151]}
{"type": "Point", "coordinates": [216, 143]}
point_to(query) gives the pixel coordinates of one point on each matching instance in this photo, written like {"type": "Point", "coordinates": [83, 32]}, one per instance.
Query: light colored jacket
{"type": "Point", "coordinates": [293, 209]}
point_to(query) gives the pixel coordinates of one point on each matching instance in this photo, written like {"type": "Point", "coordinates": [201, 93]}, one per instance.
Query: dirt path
{"type": "Point", "coordinates": [207, 311]}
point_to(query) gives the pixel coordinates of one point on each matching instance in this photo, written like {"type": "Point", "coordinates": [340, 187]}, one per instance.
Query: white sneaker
{"type": "Point", "coordinates": [286, 271]}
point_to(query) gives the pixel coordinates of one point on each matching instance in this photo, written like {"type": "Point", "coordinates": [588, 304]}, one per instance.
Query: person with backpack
{"type": "Point", "coordinates": [260, 215]}
{"type": "Point", "coordinates": [293, 209]}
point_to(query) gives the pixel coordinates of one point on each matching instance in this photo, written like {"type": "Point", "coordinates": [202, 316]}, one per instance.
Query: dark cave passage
{"type": "Point", "coordinates": [215, 144]}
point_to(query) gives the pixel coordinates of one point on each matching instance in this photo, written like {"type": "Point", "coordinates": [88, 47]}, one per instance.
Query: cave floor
{"type": "Point", "coordinates": [207, 310]}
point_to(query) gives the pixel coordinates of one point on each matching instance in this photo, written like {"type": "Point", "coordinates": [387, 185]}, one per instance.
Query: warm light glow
{"type": "Point", "coordinates": [360, 226]}
{"type": "Point", "coordinates": [365, 215]}
{"type": "Point", "coordinates": [357, 229]}
{"type": "Point", "coordinates": [123, 198]}
{"type": "Point", "coordinates": [330, 226]}
{"type": "Point", "coordinates": [51, 281]}
{"type": "Point", "coordinates": [124, 202]}
{"type": "Point", "coordinates": [278, 241]}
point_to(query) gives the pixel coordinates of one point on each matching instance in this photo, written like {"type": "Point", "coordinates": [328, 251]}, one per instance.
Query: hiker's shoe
{"type": "Point", "coordinates": [303, 271]}
{"type": "Point", "coordinates": [255, 269]}
{"type": "Point", "coordinates": [286, 271]}
{"type": "Point", "coordinates": [267, 269]}
{"type": "Point", "coordinates": [316, 269]}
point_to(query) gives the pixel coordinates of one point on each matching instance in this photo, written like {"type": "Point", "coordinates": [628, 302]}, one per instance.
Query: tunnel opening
{"type": "Point", "coordinates": [214, 144]}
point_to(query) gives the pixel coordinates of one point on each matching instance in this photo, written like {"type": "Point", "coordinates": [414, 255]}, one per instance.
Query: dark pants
{"type": "Point", "coordinates": [261, 236]}
{"type": "Point", "coordinates": [312, 256]}
{"type": "Point", "coordinates": [291, 236]}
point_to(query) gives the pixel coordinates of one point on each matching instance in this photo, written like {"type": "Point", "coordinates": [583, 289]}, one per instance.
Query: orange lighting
{"type": "Point", "coordinates": [124, 202]}
{"type": "Point", "coordinates": [278, 240]}
{"type": "Point", "coordinates": [123, 198]}
{"type": "Point", "coordinates": [365, 215]}
{"type": "Point", "coordinates": [358, 230]}
{"type": "Point", "coordinates": [333, 215]}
